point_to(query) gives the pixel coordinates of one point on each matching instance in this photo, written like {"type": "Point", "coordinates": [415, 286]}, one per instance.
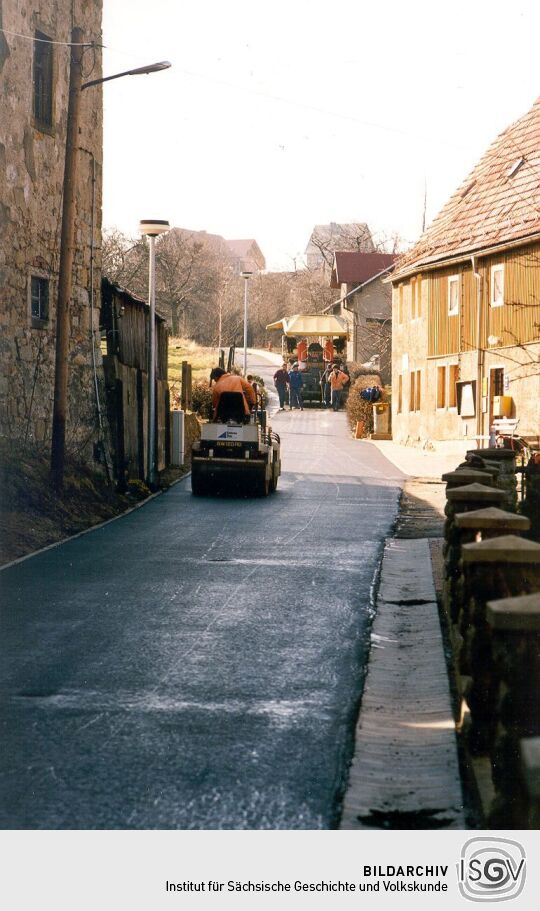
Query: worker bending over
{"type": "Point", "coordinates": [229, 382]}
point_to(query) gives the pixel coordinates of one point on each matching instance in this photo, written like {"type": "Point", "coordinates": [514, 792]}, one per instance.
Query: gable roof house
{"type": "Point", "coordinates": [246, 256]}
{"type": "Point", "coordinates": [366, 306]}
{"type": "Point", "coordinates": [34, 80]}
{"type": "Point", "coordinates": [466, 303]}
{"type": "Point", "coordinates": [325, 240]}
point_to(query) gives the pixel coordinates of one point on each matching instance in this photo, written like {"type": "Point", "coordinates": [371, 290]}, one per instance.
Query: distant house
{"type": "Point", "coordinates": [214, 243]}
{"type": "Point", "coordinates": [366, 305]}
{"type": "Point", "coordinates": [246, 256]}
{"type": "Point", "coordinates": [326, 240]}
{"type": "Point", "coordinates": [240, 255]}
{"type": "Point", "coordinates": [34, 81]}
{"type": "Point", "coordinates": [466, 302]}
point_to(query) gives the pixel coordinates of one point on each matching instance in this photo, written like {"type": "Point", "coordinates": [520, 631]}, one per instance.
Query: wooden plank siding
{"type": "Point", "coordinates": [132, 340]}
{"type": "Point", "coordinates": [445, 332]}
{"type": "Point", "coordinates": [516, 322]}
{"type": "Point", "coordinates": [125, 321]}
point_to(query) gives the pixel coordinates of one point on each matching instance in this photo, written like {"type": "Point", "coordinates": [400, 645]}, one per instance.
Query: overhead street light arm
{"type": "Point", "coordinates": [140, 71]}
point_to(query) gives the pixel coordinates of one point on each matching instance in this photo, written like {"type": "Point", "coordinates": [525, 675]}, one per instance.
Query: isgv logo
{"type": "Point", "coordinates": [491, 869]}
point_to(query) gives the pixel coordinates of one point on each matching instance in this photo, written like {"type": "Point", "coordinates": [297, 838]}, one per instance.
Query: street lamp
{"type": "Point", "coordinates": [246, 276]}
{"type": "Point", "coordinates": [152, 228]}
{"type": "Point", "coordinates": [67, 246]}
{"type": "Point", "coordinates": [140, 71]}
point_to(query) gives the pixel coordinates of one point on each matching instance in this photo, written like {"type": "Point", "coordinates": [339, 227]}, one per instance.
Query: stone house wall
{"type": "Point", "coordinates": [31, 176]}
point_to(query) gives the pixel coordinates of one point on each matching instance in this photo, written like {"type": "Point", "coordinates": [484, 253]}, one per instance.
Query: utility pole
{"type": "Point", "coordinates": [67, 245]}
{"type": "Point", "coordinates": [67, 248]}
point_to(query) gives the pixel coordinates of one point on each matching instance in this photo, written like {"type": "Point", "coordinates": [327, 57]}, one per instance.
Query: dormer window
{"type": "Point", "coordinates": [515, 167]}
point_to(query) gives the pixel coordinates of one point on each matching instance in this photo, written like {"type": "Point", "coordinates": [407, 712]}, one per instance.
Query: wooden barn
{"type": "Point", "coordinates": [124, 329]}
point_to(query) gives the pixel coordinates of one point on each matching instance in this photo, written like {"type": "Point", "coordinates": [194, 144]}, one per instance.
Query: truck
{"type": "Point", "coordinates": [313, 340]}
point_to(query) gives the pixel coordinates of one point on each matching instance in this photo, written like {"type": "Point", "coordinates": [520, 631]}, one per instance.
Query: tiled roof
{"type": "Point", "coordinates": [357, 268]}
{"type": "Point", "coordinates": [499, 201]}
{"type": "Point", "coordinates": [249, 252]}
{"type": "Point", "coordinates": [214, 242]}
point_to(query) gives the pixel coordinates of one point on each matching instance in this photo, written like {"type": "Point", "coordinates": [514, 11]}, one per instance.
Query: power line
{"type": "Point", "coordinates": [50, 41]}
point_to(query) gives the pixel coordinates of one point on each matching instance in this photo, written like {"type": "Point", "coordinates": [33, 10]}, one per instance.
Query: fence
{"type": "Point", "coordinates": [491, 597]}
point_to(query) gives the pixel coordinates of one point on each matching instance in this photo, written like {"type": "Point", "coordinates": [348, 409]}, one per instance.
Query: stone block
{"type": "Point", "coordinates": [504, 549]}
{"type": "Point", "coordinates": [515, 614]}
{"type": "Point", "coordinates": [491, 517]}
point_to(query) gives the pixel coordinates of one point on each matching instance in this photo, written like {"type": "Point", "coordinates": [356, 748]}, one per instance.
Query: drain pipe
{"type": "Point", "coordinates": [479, 350]}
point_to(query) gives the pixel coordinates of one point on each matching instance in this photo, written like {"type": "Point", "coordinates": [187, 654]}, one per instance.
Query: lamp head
{"type": "Point", "coordinates": [151, 68]}
{"type": "Point", "coordinates": [246, 274]}
{"type": "Point", "coordinates": [153, 227]}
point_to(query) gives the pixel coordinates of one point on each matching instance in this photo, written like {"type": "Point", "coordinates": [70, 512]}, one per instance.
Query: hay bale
{"type": "Point", "coordinates": [357, 408]}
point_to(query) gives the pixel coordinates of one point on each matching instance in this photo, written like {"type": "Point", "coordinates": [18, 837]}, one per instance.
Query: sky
{"type": "Point", "coordinates": [277, 115]}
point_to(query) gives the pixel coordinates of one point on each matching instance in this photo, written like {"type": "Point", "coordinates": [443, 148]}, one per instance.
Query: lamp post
{"type": "Point", "coordinates": [67, 246]}
{"type": "Point", "coordinates": [246, 276]}
{"type": "Point", "coordinates": [152, 228]}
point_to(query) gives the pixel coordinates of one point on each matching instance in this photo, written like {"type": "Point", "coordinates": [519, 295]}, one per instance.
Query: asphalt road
{"type": "Point", "coordinates": [198, 663]}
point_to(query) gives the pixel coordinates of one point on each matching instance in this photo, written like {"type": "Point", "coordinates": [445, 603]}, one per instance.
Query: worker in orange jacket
{"type": "Point", "coordinates": [229, 382]}
{"type": "Point", "coordinates": [338, 380]}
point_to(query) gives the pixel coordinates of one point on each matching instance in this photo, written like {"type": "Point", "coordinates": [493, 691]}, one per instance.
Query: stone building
{"type": "Point", "coordinates": [246, 256]}
{"type": "Point", "coordinates": [466, 304]}
{"type": "Point", "coordinates": [325, 240]}
{"type": "Point", "coordinates": [34, 83]}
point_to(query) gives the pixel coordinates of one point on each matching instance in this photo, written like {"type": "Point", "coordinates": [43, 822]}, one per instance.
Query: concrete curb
{"type": "Point", "coordinates": [405, 771]}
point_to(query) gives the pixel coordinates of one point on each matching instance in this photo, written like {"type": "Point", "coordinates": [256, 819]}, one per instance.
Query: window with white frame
{"type": "Point", "coordinates": [453, 295]}
{"type": "Point", "coordinates": [496, 293]}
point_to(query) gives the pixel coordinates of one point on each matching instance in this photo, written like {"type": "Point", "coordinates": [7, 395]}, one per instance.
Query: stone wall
{"type": "Point", "coordinates": [31, 179]}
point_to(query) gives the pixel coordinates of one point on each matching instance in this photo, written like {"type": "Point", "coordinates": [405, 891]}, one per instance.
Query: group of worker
{"type": "Point", "coordinates": [333, 383]}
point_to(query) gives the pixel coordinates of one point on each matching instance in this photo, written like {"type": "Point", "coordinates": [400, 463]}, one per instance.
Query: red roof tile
{"type": "Point", "coordinates": [493, 205]}
{"type": "Point", "coordinates": [356, 268]}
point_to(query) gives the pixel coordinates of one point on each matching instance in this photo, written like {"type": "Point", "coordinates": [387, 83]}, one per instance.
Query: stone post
{"type": "Point", "coordinates": [531, 504]}
{"type": "Point", "coordinates": [505, 460]}
{"type": "Point", "coordinates": [515, 631]}
{"type": "Point", "coordinates": [503, 567]}
{"type": "Point", "coordinates": [477, 525]}
{"type": "Point", "coordinates": [530, 774]}
{"type": "Point", "coordinates": [469, 498]}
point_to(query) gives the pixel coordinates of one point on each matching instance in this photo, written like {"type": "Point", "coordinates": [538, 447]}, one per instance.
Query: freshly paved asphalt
{"type": "Point", "coordinates": [198, 663]}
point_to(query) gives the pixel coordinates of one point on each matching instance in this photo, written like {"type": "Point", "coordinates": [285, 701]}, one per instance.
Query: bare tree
{"type": "Point", "coordinates": [191, 275]}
